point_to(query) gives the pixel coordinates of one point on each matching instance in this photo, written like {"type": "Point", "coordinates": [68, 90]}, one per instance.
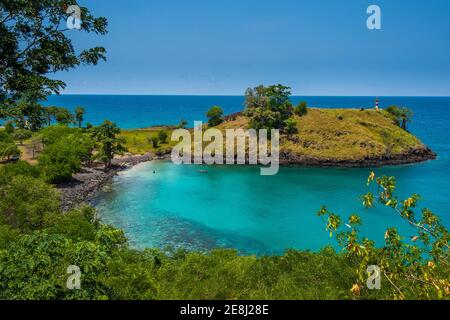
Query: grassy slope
{"type": "Point", "coordinates": [336, 134]}
{"type": "Point", "coordinates": [343, 134]}
{"type": "Point", "coordinates": [137, 141]}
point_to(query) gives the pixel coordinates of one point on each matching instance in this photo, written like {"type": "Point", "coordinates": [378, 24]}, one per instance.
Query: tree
{"type": "Point", "coordinates": [25, 201]}
{"type": "Point", "coordinates": [413, 270]}
{"type": "Point", "coordinates": [9, 127]}
{"type": "Point", "coordinates": [301, 109]}
{"type": "Point", "coordinates": [215, 116]}
{"type": "Point", "coordinates": [79, 115]}
{"type": "Point", "coordinates": [58, 161]}
{"type": "Point", "coordinates": [22, 134]}
{"type": "Point", "coordinates": [8, 150]}
{"type": "Point", "coordinates": [162, 136]}
{"type": "Point", "coordinates": [401, 115]}
{"type": "Point", "coordinates": [154, 141]}
{"type": "Point", "coordinates": [183, 123]}
{"type": "Point", "coordinates": [64, 117]}
{"type": "Point", "coordinates": [28, 114]}
{"type": "Point", "coordinates": [35, 42]}
{"type": "Point", "coordinates": [110, 143]}
{"type": "Point", "coordinates": [50, 114]}
{"type": "Point", "coordinates": [268, 107]}
{"type": "Point", "coordinates": [53, 134]}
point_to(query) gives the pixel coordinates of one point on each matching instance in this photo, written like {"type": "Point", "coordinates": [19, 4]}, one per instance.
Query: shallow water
{"type": "Point", "coordinates": [235, 206]}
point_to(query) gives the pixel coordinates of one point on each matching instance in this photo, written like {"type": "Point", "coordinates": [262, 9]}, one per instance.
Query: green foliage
{"type": "Point", "coordinates": [290, 126]}
{"type": "Point", "coordinates": [21, 135]}
{"type": "Point", "coordinates": [419, 269]}
{"type": "Point", "coordinates": [154, 141]}
{"type": "Point", "coordinates": [58, 161]}
{"type": "Point", "coordinates": [268, 107]}
{"type": "Point", "coordinates": [162, 136]}
{"type": "Point", "coordinates": [35, 43]}
{"type": "Point", "coordinates": [64, 117]}
{"type": "Point", "coordinates": [9, 127]}
{"type": "Point", "coordinates": [400, 115]}
{"type": "Point", "coordinates": [301, 109]}
{"type": "Point", "coordinates": [53, 134]}
{"type": "Point", "coordinates": [79, 115]}
{"type": "Point", "coordinates": [215, 116]}
{"type": "Point", "coordinates": [183, 123]}
{"type": "Point", "coordinates": [19, 168]}
{"type": "Point", "coordinates": [8, 150]}
{"type": "Point", "coordinates": [5, 137]}
{"type": "Point", "coordinates": [107, 136]}
{"type": "Point", "coordinates": [25, 201]}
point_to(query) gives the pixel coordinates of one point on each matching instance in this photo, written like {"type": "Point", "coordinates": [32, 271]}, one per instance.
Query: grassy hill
{"type": "Point", "coordinates": [346, 137]}
{"type": "Point", "coordinates": [326, 137]}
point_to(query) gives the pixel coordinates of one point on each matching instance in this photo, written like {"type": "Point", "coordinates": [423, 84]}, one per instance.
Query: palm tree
{"type": "Point", "coordinates": [79, 115]}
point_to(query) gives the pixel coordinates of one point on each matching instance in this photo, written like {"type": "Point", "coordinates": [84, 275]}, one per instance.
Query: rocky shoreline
{"type": "Point", "coordinates": [85, 184]}
{"type": "Point", "coordinates": [412, 156]}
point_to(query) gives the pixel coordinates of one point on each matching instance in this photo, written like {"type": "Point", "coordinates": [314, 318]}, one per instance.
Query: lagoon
{"type": "Point", "coordinates": [236, 207]}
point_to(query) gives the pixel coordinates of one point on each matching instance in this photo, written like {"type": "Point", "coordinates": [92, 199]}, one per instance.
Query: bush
{"type": "Point", "coordinates": [60, 160]}
{"type": "Point", "coordinates": [154, 141]}
{"type": "Point", "coordinates": [20, 168]}
{"type": "Point", "coordinates": [162, 136]}
{"type": "Point", "coordinates": [25, 201]}
{"type": "Point", "coordinates": [301, 109]}
{"type": "Point", "coordinates": [9, 127]}
{"type": "Point", "coordinates": [53, 134]}
{"type": "Point", "coordinates": [413, 270]}
{"type": "Point", "coordinates": [215, 116]}
{"type": "Point", "coordinates": [8, 150]}
{"type": "Point", "coordinates": [291, 126]}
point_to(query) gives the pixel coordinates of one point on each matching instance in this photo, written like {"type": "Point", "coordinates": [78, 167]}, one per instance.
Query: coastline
{"type": "Point", "coordinates": [412, 156]}
{"type": "Point", "coordinates": [85, 184]}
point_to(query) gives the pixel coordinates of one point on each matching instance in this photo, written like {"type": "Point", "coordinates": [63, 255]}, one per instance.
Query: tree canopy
{"type": "Point", "coordinates": [36, 41]}
{"type": "Point", "coordinates": [268, 107]}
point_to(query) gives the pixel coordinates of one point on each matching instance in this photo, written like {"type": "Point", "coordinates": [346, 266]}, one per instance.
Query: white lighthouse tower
{"type": "Point", "coordinates": [377, 104]}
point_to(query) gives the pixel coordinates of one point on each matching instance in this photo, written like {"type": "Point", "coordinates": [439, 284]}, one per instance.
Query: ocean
{"type": "Point", "coordinates": [235, 207]}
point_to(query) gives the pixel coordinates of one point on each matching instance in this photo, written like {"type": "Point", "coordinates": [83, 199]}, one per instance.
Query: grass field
{"type": "Point", "coordinates": [139, 141]}
{"type": "Point", "coordinates": [343, 134]}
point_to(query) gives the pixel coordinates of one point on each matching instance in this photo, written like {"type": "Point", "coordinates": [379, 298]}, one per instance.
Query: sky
{"type": "Point", "coordinates": [222, 47]}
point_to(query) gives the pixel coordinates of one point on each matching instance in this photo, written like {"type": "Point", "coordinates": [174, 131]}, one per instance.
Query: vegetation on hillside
{"type": "Point", "coordinates": [341, 134]}
{"type": "Point", "coordinates": [38, 243]}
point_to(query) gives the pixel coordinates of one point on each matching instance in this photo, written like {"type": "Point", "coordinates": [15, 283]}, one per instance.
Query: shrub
{"type": "Point", "coordinates": [25, 201]}
{"type": "Point", "coordinates": [154, 141]}
{"type": "Point", "coordinates": [416, 270]}
{"type": "Point", "coordinates": [8, 150]}
{"type": "Point", "coordinates": [291, 126]}
{"type": "Point", "coordinates": [215, 116]}
{"type": "Point", "coordinates": [60, 160]}
{"type": "Point", "coordinates": [301, 109]}
{"type": "Point", "coordinates": [162, 136]}
{"type": "Point", "coordinates": [9, 127]}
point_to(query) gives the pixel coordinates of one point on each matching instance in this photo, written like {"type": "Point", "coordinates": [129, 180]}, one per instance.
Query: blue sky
{"type": "Point", "coordinates": [319, 47]}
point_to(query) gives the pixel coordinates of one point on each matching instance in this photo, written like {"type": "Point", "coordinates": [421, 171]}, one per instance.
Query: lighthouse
{"type": "Point", "coordinates": [376, 104]}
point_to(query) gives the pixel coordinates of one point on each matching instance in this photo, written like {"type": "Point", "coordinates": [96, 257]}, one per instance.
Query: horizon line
{"type": "Point", "coordinates": [241, 95]}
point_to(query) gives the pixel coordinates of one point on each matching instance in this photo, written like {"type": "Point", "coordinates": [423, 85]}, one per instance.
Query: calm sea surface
{"type": "Point", "coordinates": [235, 207]}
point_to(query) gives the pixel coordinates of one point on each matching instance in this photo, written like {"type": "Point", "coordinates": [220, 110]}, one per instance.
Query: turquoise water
{"type": "Point", "coordinates": [235, 207]}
